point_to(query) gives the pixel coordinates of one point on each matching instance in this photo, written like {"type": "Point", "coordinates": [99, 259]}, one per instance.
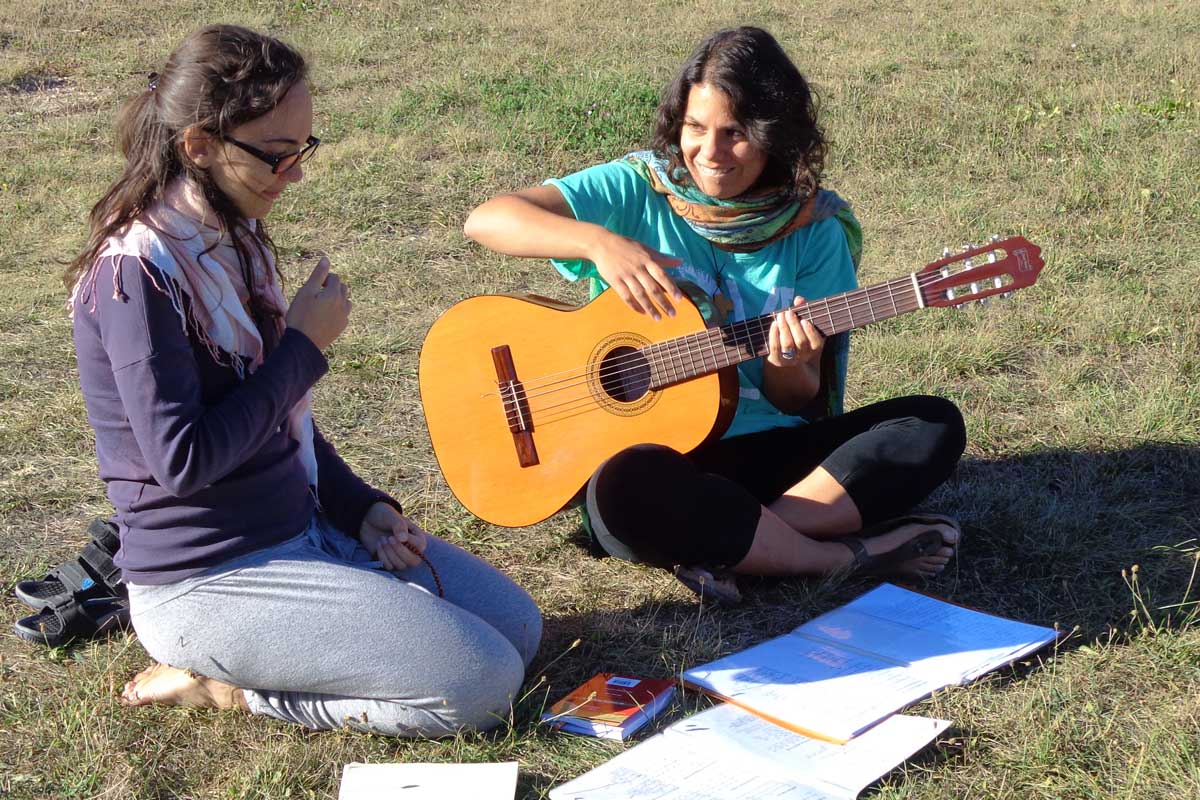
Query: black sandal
{"type": "Point", "coordinates": [711, 586]}
{"type": "Point", "coordinates": [68, 620]}
{"type": "Point", "coordinates": [887, 564]}
{"type": "Point", "coordinates": [90, 575]}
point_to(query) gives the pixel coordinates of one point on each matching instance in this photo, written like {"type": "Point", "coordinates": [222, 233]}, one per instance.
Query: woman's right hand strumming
{"type": "Point", "coordinates": [321, 308]}
{"type": "Point", "coordinates": [537, 222]}
{"type": "Point", "coordinates": [637, 273]}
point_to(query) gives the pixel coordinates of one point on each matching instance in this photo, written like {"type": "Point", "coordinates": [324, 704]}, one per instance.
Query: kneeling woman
{"type": "Point", "coordinates": [263, 573]}
{"type": "Point", "coordinates": [729, 199]}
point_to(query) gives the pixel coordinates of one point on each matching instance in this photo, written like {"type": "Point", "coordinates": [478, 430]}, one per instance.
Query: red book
{"type": "Point", "coordinates": [610, 706]}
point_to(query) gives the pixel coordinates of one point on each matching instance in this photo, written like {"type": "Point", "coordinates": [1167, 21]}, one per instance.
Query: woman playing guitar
{"type": "Point", "coordinates": [729, 198]}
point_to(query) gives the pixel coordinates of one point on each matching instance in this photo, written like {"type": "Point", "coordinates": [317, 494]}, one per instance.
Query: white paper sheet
{"type": "Point", "coordinates": [840, 673]}
{"type": "Point", "coordinates": [429, 781]}
{"type": "Point", "coordinates": [837, 770]}
{"type": "Point", "coordinates": [729, 754]}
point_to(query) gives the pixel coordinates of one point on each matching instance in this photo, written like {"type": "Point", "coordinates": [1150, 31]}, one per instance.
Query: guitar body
{"type": "Point", "coordinates": [567, 363]}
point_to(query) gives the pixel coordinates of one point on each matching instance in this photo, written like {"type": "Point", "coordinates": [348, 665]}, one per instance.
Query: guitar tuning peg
{"type": "Point", "coordinates": [947, 252]}
{"type": "Point", "coordinates": [1004, 295]}
{"type": "Point", "coordinates": [995, 238]}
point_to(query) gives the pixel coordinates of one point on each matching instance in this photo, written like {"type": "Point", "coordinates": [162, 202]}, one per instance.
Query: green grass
{"type": "Point", "coordinates": [1076, 124]}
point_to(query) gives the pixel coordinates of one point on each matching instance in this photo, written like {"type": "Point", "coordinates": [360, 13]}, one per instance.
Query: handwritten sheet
{"type": "Point", "coordinates": [730, 754]}
{"type": "Point", "coordinates": [836, 770]}
{"type": "Point", "coordinates": [429, 781]}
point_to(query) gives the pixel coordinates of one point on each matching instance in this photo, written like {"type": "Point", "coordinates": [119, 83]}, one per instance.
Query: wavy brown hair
{"type": "Point", "coordinates": [767, 95]}
{"type": "Point", "coordinates": [218, 78]}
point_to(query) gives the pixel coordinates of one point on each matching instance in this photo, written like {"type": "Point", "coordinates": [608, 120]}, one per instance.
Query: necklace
{"type": "Point", "coordinates": [720, 300]}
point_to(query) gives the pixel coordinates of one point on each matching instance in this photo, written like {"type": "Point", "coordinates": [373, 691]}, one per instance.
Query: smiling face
{"type": "Point", "coordinates": [721, 160]}
{"type": "Point", "coordinates": [245, 179]}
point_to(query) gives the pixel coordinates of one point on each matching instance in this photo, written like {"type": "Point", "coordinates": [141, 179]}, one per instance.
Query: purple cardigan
{"type": "Point", "coordinates": [198, 463]}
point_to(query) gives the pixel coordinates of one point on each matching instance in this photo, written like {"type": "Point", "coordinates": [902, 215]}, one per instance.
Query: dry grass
{"type": "Point", "coordinates": [1075, 124]}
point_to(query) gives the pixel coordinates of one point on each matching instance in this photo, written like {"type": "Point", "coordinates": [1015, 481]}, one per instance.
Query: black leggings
{"type": "Point", "coordinates": [650, 503]}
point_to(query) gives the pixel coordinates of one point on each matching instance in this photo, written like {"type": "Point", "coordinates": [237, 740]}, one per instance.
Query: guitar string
{"type": "Point", "coordinates": [676, 360]}
{"type": "Point", "coordinates": [686, 346]}
{"type": "Point", "coordinates": [614, 367]}
{"type": "Point", "coordinates": [924, 278]}
{"type": "Point", "coordinates": [707, 337]}
{"type": "Point", "coordinates": [538, 413]}
{"type": "Point", "coordinates": [690, 347]}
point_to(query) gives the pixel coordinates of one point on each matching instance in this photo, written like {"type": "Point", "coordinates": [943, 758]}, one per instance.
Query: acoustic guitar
{"type": "Point", "coordinates": [525, 396]}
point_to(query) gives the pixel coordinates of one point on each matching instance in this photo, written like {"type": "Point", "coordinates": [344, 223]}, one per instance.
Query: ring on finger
{"type": "Point", "coordinates": [788, 354]}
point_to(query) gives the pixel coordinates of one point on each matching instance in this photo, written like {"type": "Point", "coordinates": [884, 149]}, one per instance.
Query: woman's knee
{"type": "Point", "coordinates": [524, 631]}
{"type": "Point", "coordinates": [625, 499]}
{"type": "Point", "coordinates": [933, 426]}
{"type": "Point", "coordinates": [948, 425]}
{"type": "Point", "coordinates": [483, 701]}
{"type": "Point", "coordinates": [652, 504]}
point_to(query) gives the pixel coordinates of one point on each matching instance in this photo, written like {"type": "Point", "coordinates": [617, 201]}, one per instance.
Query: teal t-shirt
{"type": "Point", "coordinates": [813, 262]}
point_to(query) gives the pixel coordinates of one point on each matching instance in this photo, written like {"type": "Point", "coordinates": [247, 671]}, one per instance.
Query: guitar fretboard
{"type": "Point", "coordinates": [703, 353]}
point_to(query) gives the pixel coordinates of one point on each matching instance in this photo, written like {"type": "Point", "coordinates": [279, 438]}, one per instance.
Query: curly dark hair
{"type": "Point", "coordinates": [767, 95]}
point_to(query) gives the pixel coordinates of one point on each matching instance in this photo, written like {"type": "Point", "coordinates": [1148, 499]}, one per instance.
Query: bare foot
{"type": "Point", "coordinates": [926, 566]}
{"type": "Point", "coordinates": [159, 683]}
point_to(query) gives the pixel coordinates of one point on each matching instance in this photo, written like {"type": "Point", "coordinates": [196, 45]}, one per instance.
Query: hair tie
{"type": "Point", "coordinates": [152, 81]}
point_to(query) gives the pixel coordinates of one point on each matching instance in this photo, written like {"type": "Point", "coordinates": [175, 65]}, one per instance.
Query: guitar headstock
{"type": "Point", "coordinates": [998, 268]}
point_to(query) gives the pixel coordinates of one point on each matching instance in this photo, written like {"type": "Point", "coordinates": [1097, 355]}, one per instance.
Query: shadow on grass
{"type": "Point", "coordinates": [1048, 534]}
{"type": "Point", "coordinates": [1046, 538]}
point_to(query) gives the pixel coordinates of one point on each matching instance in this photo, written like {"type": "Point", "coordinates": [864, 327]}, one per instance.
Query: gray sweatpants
{"type": "Point", "coordinates": [318, 633]}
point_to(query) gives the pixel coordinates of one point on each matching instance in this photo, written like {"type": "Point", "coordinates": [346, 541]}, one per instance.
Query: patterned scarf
{"type": "Point", "coordinates": [177, 237]}
{"type": "Point", "coordinates": [746, 223]}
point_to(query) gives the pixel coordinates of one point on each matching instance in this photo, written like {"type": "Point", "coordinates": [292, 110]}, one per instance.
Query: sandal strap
{"type": "Point", "coordinates": [73, 576]}
{"type": "Point", "coordinates": [858, 550]}
{"type": "Point", "coordinates": [101, 564]}
{"type": "Point", "coordinates": [105, 535]}
{"type": "Point", "coordinates": [92, 568]}
{"type": "Point", "coordinates": [889, 525]}
{"type": "Point", "coordinates": [69, 619]}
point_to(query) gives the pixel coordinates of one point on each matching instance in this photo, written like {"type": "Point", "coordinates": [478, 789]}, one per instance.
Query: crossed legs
{"type": "Point", "coordinates": [774, 503]}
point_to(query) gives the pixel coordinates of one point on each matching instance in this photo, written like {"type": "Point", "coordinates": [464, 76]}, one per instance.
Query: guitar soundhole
{"type": "Point", "coordinates": [625, 375]}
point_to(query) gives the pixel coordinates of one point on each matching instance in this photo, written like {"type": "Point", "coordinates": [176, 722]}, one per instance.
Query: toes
{"type": "Point", "coordinates": [929, 566]}
{"type": "Point", "coordinates": [950, 535]}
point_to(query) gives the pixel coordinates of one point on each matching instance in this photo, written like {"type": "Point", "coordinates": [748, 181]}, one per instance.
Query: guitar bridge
{"type": "Point", "coordinates": [516, 406]}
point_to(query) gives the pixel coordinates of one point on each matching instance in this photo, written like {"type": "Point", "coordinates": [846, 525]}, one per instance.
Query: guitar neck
{"type": "Point", "coordinates": [687, 357]}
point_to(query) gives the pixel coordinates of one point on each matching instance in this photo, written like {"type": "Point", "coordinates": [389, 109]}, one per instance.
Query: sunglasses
{"type": "Point", "coordinates": [279, 162]}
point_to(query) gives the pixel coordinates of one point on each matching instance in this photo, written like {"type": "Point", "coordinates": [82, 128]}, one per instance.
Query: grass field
{"type": "Point", "coordinates": [1076, 124]}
